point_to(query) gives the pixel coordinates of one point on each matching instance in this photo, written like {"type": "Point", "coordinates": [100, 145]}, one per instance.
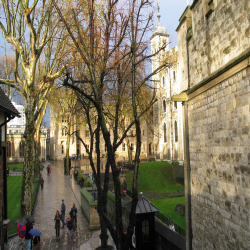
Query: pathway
{"type": "Point", "coordinates": [57, 186]}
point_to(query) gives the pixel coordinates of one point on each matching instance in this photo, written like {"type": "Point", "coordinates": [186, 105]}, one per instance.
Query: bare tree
{"type": "Point", "coordinates": [29, 28]}
{"type": "Point", "coordinates": [101, 47]}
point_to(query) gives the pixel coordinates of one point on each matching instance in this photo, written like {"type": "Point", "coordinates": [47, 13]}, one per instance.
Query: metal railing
{"type": "Point", "coordinates": [178, 229]}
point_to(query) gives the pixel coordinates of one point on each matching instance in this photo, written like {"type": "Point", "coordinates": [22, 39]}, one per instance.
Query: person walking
{"type": "Point", "coordinates": [69, 225]}
{"type": "Point", "coordinates": [57, 223]}
{"type": "Point", "coordinates": [48, 168]}
{"type": "Point", "coordinates": [28, 237]}
{"type": "Point", "coordinates": [36, 243]}
{"type": "Point", "coordinates": [73, 213]}
{"type": "Point", "coordinates": [63, 209]}
{"type": "Point", "coordinates": [41, 182]}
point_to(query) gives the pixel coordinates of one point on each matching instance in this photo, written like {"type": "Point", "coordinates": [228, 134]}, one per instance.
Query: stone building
{"type": "Point", "coordinates": [168, 141]}
{"type": "Point", "coordinates": [58, 139]}
{"type": "Point", "coordinates": [15, 140]}
{"type": "Point", "coordinates": [214, 60]}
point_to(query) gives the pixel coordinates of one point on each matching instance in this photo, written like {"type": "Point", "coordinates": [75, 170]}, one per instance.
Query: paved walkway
{"type": "Point", "coordinates": [57, 186]}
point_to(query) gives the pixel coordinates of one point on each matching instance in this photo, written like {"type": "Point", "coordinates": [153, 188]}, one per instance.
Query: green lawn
{"type": "Point", "coordinates": [167, 206]}
{"type": "Point", "coordinates": [14, 186]}
{"type": "Point", "coordinates": [17, 166]}
{"type": "Point", "coordinates": [155, 176]}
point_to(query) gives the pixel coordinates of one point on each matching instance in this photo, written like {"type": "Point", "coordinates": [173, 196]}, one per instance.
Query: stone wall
{"type": "Point", "coordinates": [219, 121]}
{"type": "Point", "coordinates": [218, 39]}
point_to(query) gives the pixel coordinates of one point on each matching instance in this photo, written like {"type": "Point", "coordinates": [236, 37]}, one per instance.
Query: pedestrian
{"type": "Point", "coordinates": [73, 213]}
{"type": "Point", "coordinates": [48, 168]}
{"type": "Point", "coordinates": [75, 174]}
{"type": "Point", "coordinates": [28, 237]}
{"type": "Point", "coordinates": [41, 182]}
{"type": "Point", "coordinates": [36, 243]}
{"type": "Point", "coordinates": [57, 223]}
{"type": "Point", "coordinates": [172, 227]}
{"type": "Point", "coordinates": [69, 225]}
{"type": "Point", "coordinates": [63, 209]}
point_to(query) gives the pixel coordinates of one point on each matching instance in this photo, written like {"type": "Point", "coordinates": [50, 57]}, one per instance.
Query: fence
{"type": "Point", "coordinates": [178, 229]}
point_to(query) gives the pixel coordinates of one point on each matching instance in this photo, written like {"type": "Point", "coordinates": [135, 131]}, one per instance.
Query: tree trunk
{"type": "Point", "coordinates": [37, 154]}
{"type": "Point", "coordinates": [28, 162]}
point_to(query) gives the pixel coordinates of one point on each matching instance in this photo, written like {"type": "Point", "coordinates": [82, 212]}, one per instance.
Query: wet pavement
{"type": "Point", "coordinates": [57, 186]}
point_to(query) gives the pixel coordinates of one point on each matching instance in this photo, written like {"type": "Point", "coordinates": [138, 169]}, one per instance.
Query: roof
{"type": "Point", "coordinates": [159, 29]}
{"type": "Point", "coordinates": [143, 206]}
{"type": "Point", "coordinates": [6, 105]}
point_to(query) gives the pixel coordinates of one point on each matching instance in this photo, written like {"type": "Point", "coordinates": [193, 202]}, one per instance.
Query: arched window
{"type": "Point", "coordinates": [176, 131]}
{"type": "Point", "coordinates": [164, 106]}
{"type": "Point", "coordinates": [9, 147]}
{"type": "Point", "coordinates": [21, 148]}
{"type": "Point", "coordinates": [165, 132]}
{"type": "Point", "coordinates": [63, 132]}
{"type": "Point", "coordinates": [62, 149]}
{"type": "Point", "coordinates": [175, 105]}
{"type": "Point", "coordinates": [163, 82]}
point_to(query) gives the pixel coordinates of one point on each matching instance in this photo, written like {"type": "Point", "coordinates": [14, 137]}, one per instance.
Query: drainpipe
{"type": "Point", "coordinates": [188, 168]}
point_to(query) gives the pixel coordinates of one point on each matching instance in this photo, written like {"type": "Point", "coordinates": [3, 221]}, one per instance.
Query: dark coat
{"type": "Point", "coordinates": [29, 226]}
{"type": "Point", "coordinates": [69, 224]}
{"type": "Point", "coordinates": [57, 221]}
{"type": "Point", "coordinates": [71, 212]}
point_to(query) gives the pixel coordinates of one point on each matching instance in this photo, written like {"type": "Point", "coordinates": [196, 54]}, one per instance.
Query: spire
{"type": "Point", "coordinates": [159, 29]}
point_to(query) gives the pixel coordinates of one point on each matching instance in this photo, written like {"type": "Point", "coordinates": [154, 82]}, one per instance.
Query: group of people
{"type": "Point", "coordinates": [49, 169]}
{"type": "Point", "coordinates": [71, 221]}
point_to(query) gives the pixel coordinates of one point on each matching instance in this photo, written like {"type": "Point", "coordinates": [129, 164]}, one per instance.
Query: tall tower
{"type": "Point", "coordinates": [167, 114]}
{"type": "Point", "coordinates": [158, 38]}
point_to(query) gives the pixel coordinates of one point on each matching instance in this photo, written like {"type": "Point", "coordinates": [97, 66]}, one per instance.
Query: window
{"type": "Point", "coordinates": [164, 106]}
{"type": "Point", "coordinates": [123, 146]}
{"type": "Point", "coordinates": [145, 231]}
{"type": "Point", "coordinates": [9, 147]}
{"type": "Point", "coordinates": [63, 132]}
{"type": "Point", "coordinates": [174, 76]}
{"type": "Point", "coordinates": [86, 133]}
{"type": "Point", "coordinates": [21, 148]}
{"type": "Point", "coordinates": [143, 132]}
{"type": "Point", "coordinates": [62, 149]}
{"type": "Point", "coordinates": [163, 82]}
{"type": "Point", "coordinates": [165, 132]}
{"type": "Point", "coordinates": [175, 105]}
{"type": "Point", "coordinates": [132, 146]}
{"type": "Point", "coordinates": [78, 149]}
{"type": "Point", "coordinates": [176, 131]}
{"type": "Point", "coordinates": [40, 149]}
{"type": "Point", "coordinates": [87, 145]}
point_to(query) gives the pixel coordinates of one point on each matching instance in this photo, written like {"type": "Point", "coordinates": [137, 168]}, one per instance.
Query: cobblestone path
{"type": "Point", "coordinates": [57, 186]}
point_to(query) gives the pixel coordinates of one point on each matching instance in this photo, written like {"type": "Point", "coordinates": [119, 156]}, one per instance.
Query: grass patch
{"type": "Point", "coordinates": [155, 176]}
{"type": "Point", "coordinates": [14, 187]}
{"type": "Point", "coordinates": [17, 166]}
{"type": "Point", "coordinates": [167, 206]}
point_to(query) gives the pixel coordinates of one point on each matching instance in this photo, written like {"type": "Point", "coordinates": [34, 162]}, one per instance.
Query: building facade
{"type": "Point", "coordinates": [58, 139]}
{"type": "Point", "coordinates": [15, 140]}
{"type": "Point", "coordinates": [214, 60]}
{"type": "Point", "coordinates": [168, 140]}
